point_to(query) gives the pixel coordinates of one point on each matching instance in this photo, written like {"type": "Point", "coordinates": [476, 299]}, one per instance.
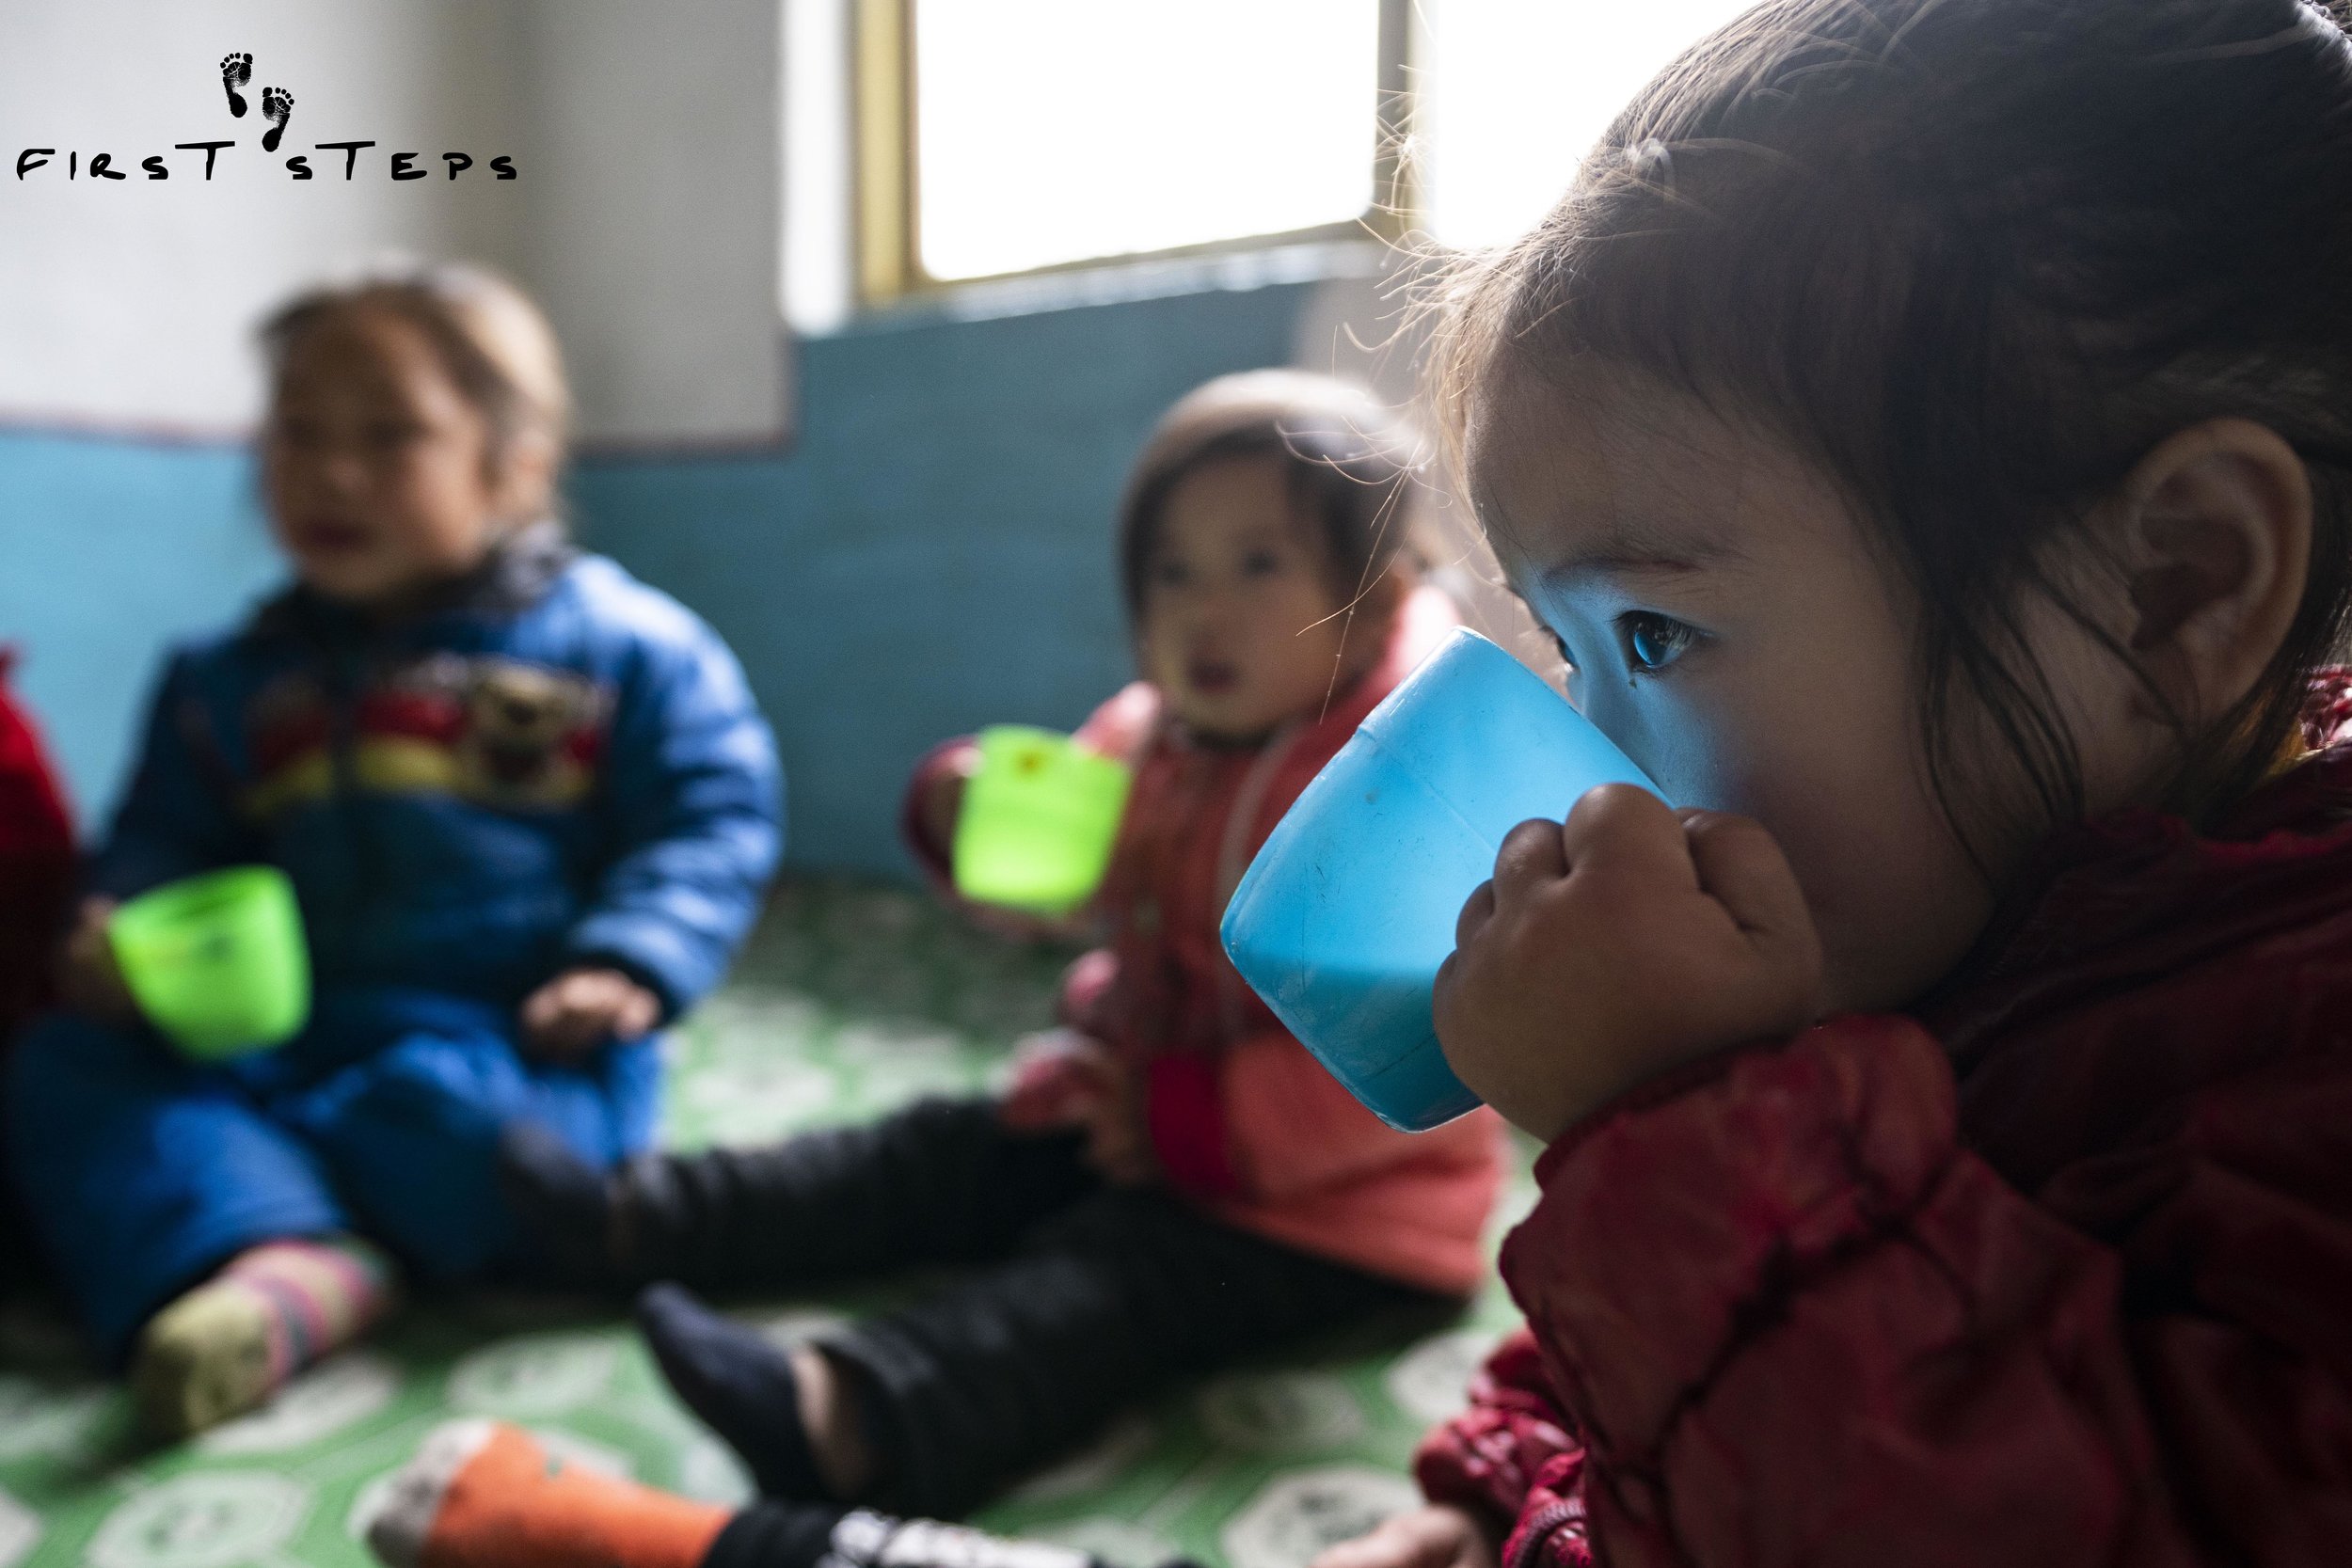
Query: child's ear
{"type": "Point", "coordinates": [2217, 547]}
{"type": "Point", "coordinates": [522, 475]}
{"type": "Point", "coordinates": [1384, 596]}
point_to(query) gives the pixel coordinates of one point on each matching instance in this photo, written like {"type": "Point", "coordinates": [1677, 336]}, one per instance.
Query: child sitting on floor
{"type": "Point", "coordinates": [1173, 1185]}
{"type": "Point", "coordinates": [36, 864]}
{"type": "Point", "coordinates": [1931, 441]}
{"type": "Point", "coordinates": [37, 868]}
{"type": "Point", "coordinates": [527, 807]}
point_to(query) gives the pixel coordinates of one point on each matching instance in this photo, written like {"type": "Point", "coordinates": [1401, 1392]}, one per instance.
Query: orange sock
{"type": "Point", "coordinates": [484, 1495]}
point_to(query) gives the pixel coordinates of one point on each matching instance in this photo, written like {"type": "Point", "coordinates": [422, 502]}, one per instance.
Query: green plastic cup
{"type": "Point", "coordinates": [1039, 821]}
{"type": "Point", "coordinates": [217, 962]}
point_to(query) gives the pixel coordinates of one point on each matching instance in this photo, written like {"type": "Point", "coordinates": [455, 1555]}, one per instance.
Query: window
{"type": "Point", "coordinates": [1512, 94]}
{"type": "Point", "coordinates": [1002, 136]}
{"type": "Point", "coordinates": [1008, 135]}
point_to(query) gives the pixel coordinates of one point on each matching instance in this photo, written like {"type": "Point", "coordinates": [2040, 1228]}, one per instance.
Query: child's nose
{"type": "Point", "coordinates": [1215, 608]}
{"type": "Point", "coordinates": [339, 469]}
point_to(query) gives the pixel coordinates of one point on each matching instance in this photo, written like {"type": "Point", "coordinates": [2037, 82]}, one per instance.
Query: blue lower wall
{"type": "Point", "coordinates": [115, 548]}
{"type": "Point", "coordinates": [933, 552]}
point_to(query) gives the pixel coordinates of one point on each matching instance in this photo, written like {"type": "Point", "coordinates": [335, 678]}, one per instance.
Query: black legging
{"type": "Point", "coordinates": [1085, 1296]}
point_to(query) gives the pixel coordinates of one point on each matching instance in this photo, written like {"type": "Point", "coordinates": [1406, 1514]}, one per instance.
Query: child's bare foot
{"type": "Point", "coordinates": [485, 1495]}
{"type": "Point", "coordinates": [235, 72]}
{"type": "Point", "coordinates": [786, 1412]}
{"type": "Point", "coordinates": [277, 1308]}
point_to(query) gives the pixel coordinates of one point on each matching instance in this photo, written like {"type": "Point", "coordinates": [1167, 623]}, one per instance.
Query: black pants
{"type": "Point", "coordinates": [1083, 1298]}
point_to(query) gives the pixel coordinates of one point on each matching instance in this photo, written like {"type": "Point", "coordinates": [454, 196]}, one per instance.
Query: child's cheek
{"type": "Point", "coordinates": [1694, 754]}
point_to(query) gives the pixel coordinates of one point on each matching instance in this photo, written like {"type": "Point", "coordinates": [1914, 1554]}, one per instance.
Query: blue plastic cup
{"type": "Point", "coordinates": [1346, 915]}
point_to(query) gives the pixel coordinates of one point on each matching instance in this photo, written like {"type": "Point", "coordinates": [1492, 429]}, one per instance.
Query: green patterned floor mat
{"type": "Point", "coordinates": [852, 999]}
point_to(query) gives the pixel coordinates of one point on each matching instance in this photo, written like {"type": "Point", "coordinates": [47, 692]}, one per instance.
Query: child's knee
{"type": "Point", "coordinates": [65, 1064]}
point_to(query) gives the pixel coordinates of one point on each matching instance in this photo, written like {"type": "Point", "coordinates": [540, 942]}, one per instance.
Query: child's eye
{"type": "Point", "coordinates": [1261, 563]}
{"type": "Point", "coordinates": [390, 434]}
{"type": "Point", "coordinates": [1171, 574]}
{"type": "Point", "coordinates": [1560, 645]}
{"type": "Point", "coordinates": [1654, 641]}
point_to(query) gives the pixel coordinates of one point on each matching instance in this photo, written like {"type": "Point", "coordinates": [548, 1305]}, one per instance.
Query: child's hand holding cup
{"type": "Point", "coordinates": [88, 976]}
{"type": "Point", "coordinates": [216, 962]}
{"type": "Point", "coordinates": [1030, 818]}
{"type": "Point", "coordinates": [1616, 946]}
{"type": "Point", "coordinates": [1615, 938]}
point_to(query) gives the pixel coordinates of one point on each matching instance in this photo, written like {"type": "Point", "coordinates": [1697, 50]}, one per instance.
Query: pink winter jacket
{"type": "Point", "coordinates": [2055, 1272]}
{"type": "Point", "coordinates": [1242, 1120]}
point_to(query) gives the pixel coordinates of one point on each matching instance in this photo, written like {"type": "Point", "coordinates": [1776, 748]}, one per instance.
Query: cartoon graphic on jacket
{"type": "Point", "coordinates": [553, 767]}
{"type": "Point", "coordinates": [2054, 1273]}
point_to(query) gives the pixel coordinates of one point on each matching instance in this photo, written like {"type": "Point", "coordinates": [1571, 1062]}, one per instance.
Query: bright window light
{"type": "Point", "coordinates": [1512, 94]}
{"type": "Point", "coordinates": [1056, 131]}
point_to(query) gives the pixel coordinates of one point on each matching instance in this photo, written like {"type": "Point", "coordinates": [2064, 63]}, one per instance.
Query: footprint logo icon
{"type": "Point", "coordinates": [277, 104]}
{"type": "Point", "coordinates": [235, 72]}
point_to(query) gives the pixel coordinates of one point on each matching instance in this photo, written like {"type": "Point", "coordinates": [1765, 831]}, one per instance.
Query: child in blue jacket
{"type": "Point", "coordinates": [528, 806]}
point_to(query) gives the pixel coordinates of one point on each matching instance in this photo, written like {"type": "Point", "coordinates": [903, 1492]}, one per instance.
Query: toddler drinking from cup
{"type": "Point", "coordinates": [1171, 1183]}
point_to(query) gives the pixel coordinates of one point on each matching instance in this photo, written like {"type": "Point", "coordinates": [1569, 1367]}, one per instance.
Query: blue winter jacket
{"type": "Point", "coordinates": [552, 765]}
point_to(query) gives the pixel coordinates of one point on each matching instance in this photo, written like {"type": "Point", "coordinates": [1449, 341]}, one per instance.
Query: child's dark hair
{"type": "Point", "coordinates": [1351, 463]}
{"type": "Point", "coordinates": [495, 345]}
{"type": "Point", "coordinates": [1977, 257]}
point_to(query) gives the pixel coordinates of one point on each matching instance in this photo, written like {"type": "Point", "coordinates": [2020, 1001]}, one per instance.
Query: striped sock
{"type": "Point", "coordinates": [273, 1311]}
{"type": "Point", "coordinates": [321, 1295]}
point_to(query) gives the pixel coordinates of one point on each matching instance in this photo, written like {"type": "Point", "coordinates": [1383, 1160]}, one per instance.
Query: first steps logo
{"type": "Point", "coordinates": [277, 106]}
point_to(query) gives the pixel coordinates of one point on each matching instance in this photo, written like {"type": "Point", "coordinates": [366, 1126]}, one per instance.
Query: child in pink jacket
{"type": "Point", "coordinates": [1172, 1183]}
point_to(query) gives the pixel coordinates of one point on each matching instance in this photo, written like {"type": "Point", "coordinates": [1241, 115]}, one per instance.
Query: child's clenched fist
{"type": "Point", "coordinates": [1628, 941]}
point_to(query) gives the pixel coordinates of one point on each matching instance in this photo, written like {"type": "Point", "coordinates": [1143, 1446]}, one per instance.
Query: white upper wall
{"type": "Point", "coordinates": [655, 132]}
{"type": "Point", "coordinates": [645, 216]}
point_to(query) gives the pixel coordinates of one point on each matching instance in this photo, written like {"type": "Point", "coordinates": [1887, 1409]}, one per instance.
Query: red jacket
{"type": "Point", "coordinates": [1242, 1119]}
{"type": "Point", "coordinates": [36, 864]}
{"type": "Point", "coordinates": [2058, 1271]}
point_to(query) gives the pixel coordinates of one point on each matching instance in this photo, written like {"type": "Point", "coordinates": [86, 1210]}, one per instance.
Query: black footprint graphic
{"type": "Point", "coordinates": [235, 72]}
{"type": "Point", "coordinates": [277, 104]}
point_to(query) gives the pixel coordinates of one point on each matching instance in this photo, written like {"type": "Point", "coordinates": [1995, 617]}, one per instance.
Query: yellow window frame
{"type": "Point", "coordinates": [888, 182]}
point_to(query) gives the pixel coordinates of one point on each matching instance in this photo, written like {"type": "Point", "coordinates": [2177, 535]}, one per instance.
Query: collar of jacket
{"type": "Point", "coordinates": [2109, 904]}
{"type": "Point", "coordinates": [514, 576]}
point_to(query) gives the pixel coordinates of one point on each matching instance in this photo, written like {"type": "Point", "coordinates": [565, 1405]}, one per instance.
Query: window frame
{"type": "Point", "coordinates": [888, 213]}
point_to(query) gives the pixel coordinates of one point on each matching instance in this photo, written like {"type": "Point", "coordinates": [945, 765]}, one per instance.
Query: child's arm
{"type": "Point", "coordinates": [1799, 1324]}
{"type": "Point", "coordinates": [179, 816]}
{"type": "Point", "coordinates": [1796, 1322]}
{"type": "Point", "coordinates": [38, 863]}
{"type": "Point", "coordinates": [696, 798]}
